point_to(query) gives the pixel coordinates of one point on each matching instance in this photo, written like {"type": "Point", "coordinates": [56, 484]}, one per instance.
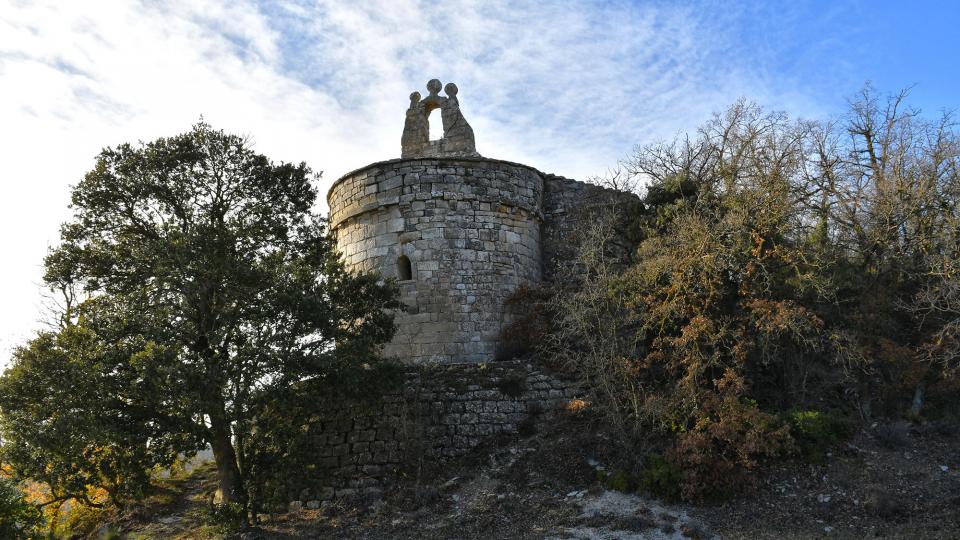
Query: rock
{"type": "Point", "coordinates": [449, 483]}
{"type": "Point", "coordinates": [694, 531]}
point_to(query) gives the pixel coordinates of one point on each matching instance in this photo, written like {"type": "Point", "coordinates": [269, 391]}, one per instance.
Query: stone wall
{"type": "Point", "coordinates": [569, 207]}
{"type": "Point", "coordinates": [467, 230]}
{"type": "Point", "coordinates": [443, 412]}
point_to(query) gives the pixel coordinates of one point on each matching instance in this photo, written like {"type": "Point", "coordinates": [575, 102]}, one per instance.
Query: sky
{"type": "Point", "coordinates": [569, 87]}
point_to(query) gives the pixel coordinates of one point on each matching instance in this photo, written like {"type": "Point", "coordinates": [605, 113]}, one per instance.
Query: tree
{"type": "Point", "coordinates": [783, 265]}
{"type": "Point", "coordinates": [87, 408]}
{"type": "Point", "coordinates": [210, 284]}
{"type": "Point", "coordinates": [19, 520]}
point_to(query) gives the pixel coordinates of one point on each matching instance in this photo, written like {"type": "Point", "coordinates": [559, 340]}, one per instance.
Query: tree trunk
{"type": "Point", "coordinates": [228, 473]}
{"type": "Point", "coordinates": [917, 404]}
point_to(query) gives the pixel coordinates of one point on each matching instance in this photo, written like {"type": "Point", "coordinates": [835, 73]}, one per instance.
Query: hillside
{"type": "Point", "coordinates": [888, 481]}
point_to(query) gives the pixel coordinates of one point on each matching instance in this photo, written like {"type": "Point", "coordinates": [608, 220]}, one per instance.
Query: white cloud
{"type": "Point", "coordinates": [568, 87]}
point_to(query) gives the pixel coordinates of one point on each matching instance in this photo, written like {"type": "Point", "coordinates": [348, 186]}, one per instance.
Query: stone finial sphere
{"type": "Point", "coordinates": [434, 86]}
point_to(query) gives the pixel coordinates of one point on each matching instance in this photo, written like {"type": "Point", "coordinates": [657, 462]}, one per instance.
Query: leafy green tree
{"type": "Point", "coordinates": [211, 284]}
{"type": "Point", "coordinates": [89, 409]}
{"type": "Point", "coordinates": [18, 518]}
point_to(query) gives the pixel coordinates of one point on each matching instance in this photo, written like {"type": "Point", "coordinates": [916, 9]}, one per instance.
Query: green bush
{"type": "Point", "coordinates": [226, 517]}
{"type": "Point", "coordinates": [816, 431]}
{"type": "Point", "coordinates": [660, 477]}
{"type": "Point", "coordinates": [618, 480]}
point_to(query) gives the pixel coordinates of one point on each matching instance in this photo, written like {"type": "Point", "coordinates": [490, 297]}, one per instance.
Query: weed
{"type": "Point", "coordinates": [660, 477]}
{"type": "Point", "coordinates": [816, 431]}
{"type": "Point", "coordinates": [618, 480]}
{"type": "Point", "coordinates": [228, 517]}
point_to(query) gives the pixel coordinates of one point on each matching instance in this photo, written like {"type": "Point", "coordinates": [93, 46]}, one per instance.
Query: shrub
{"type": "Point", "coordinates": [77, 519]}
{"type": "Point", "coordinates": [660, 477]}
{"type": "Point", "coordinates": [618, 480]}
{"type": "Point", "coordinates": [225, 518]}
{"type": "Point", "coordinates": [748, 295]}
{"type": "Point", "coordinates": [816, 431]}
{"type": "Point", "coordinates": [729, 437]}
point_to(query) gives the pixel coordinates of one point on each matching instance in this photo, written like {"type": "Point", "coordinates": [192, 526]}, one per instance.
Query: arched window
{"type": "Point", "coordinates": [436, 125]}
{"type": "Point", "coordinates": [404, 269]}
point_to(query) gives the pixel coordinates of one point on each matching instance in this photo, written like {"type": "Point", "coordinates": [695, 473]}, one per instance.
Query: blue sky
{"type": "Point", "coordinates": [569, 87]}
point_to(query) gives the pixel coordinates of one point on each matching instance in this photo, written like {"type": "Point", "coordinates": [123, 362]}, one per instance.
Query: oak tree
{"type": "Point", "coordinates": [210, 283]}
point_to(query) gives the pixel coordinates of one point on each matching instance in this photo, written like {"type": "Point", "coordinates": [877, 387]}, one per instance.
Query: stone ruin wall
{"type": "Point", "coordinates": [470, 229]}
{"type": "Point", "coordinates": [442, 412]}
{"type": "Point", "coordinates": [460, 233]}
{"type": "Point", "coordinates": [569, 207]}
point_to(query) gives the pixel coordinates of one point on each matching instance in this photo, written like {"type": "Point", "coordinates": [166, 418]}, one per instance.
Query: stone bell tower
{"type": "Point", "coordinates": [459, 232]}
{"type": "Point", "coordinates": [457, 140]}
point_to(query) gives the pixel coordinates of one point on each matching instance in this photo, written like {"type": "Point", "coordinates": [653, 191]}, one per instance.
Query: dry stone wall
{"type": "Point", "coordinates": [459, 234]}
{"type": "Point", "coordinates": [569, 207]}
{"type": "Point", "coordinates": [442, 412]}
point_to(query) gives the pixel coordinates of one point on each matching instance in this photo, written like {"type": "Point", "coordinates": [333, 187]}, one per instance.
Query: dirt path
{"type": "Point", "coordinates": [177, 510]}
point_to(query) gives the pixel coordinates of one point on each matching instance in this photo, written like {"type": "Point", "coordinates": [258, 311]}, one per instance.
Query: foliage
{"type": "Point", "coordinates": [618, 480]}
{"type": "Point", "coordinates": [74, 519]}
{"type": "Point", "coordinates": [661, 477]}
{"type": "Point", "coordinates": [81, 409]}
{"type": "Point", "coordinates": [781, 264]}
{"type": "Point", "coordinates": [19, 519]}
{"type": "Point", "coordinates": [224, 518]}
{"type": "Point", "coordinates": [816, 431]}
{"type": "Point", "coordinates": [717, 455]}
{"type": "Point", "coordinates": [201, 287]}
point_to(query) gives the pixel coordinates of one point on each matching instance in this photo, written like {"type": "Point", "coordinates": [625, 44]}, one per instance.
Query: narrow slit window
{"type": "Point", "coordinates": [404, 270]}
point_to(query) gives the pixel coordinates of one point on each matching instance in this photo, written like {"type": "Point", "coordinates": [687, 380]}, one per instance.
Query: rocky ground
{"type": "Point", "coordinates": [888, 481]}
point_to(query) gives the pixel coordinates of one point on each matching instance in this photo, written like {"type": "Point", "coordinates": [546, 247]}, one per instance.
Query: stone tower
{"type": "Point", "coordinates": [459, 232]}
